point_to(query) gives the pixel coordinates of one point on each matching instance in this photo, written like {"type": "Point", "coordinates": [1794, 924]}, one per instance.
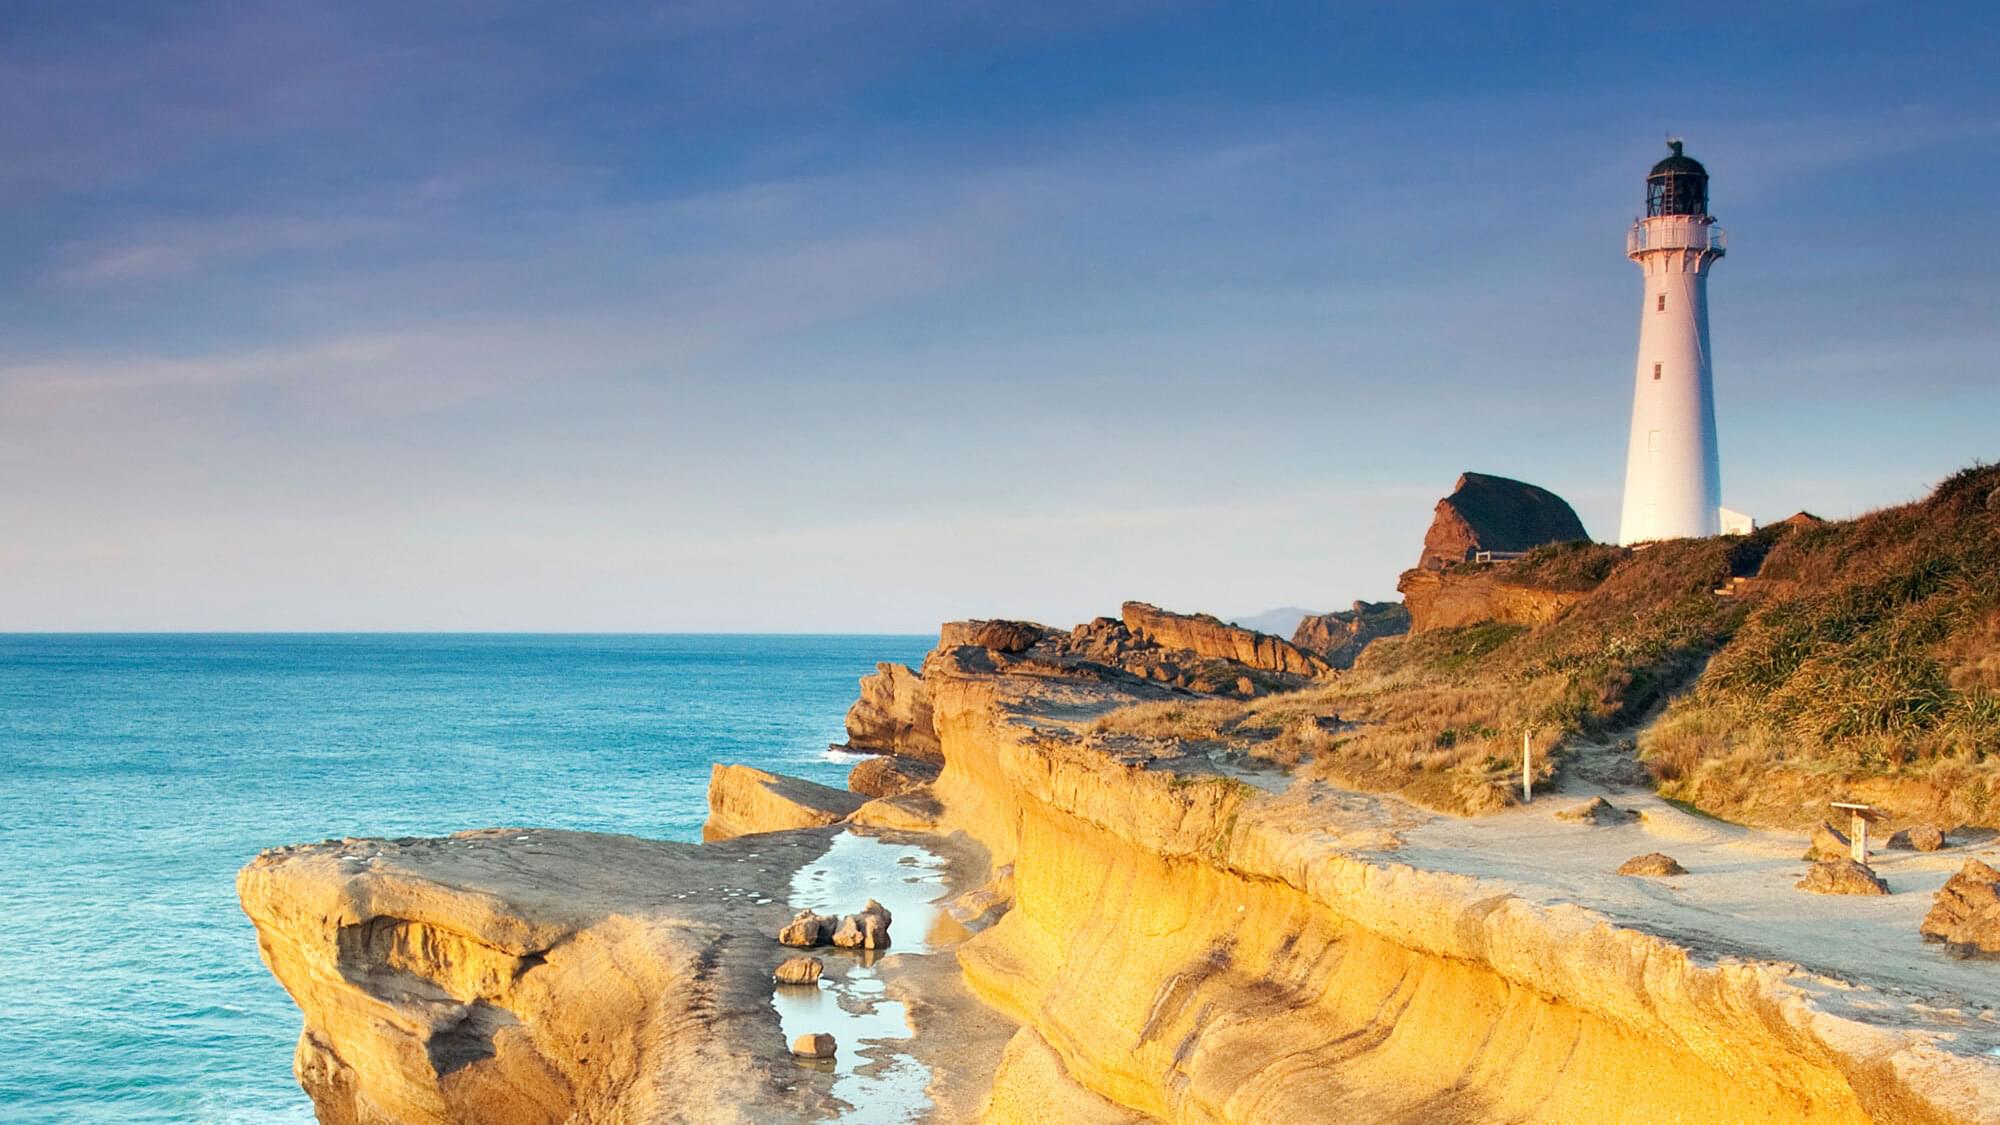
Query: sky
{"type": "Point", "coordinates": [858, 317]}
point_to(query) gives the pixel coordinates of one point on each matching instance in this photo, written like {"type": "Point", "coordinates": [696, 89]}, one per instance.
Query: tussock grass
{"type": "Point", "coordinates": [1864, 659]}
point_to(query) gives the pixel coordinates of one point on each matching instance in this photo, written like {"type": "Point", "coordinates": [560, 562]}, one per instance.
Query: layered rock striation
{"type": "Point", "coordinates": [1173, 943]}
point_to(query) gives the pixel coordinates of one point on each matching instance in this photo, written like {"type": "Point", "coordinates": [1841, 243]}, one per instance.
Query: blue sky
{"type": "Point", "coordinates": [861, 316]}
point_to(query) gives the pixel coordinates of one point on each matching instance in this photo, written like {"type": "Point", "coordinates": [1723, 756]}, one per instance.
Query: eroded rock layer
{"type": "Point", "coordinates": [531, 976]}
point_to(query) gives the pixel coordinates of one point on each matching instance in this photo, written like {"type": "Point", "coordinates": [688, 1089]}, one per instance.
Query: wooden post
{"type": "Point", "coordinates": [1527, 767]}
{"type": "Point", "coordinates": [1858, 818]}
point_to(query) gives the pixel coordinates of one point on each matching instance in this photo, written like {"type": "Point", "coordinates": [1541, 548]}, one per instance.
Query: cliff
{"type": "Point", "coordinates": [1489, 513]}
{"type": "Point", "coordinates": [1184, 933]}
{"type": "Point", "coordinates": [893, 715]}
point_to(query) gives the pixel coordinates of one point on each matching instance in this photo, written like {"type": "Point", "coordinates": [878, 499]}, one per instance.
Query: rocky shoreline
{"type": "Point", "coordinates": [1149, 937]}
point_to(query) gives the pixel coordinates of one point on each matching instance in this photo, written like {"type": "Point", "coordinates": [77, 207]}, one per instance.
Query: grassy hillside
{"type": "Point", "coordinates": [1862, 660]}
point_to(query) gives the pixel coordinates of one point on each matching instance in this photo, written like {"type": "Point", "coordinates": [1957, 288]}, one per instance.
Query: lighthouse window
{"type": "Point", "coordinates": [1656, 371]}
{"type": "Point", "coordinates": [1660, 303]}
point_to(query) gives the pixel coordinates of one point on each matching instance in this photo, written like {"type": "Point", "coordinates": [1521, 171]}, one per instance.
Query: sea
{"type": "Point", "coordinates": [139, 772]}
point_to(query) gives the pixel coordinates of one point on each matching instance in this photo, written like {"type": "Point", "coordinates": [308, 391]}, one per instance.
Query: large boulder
{"type": "Point", "coordinates": [893, 715]}
{"type": "Point", "coordinates": [1211, 637]}
{"type": "Point", "coordinates": [1965, 915]}
{"type": "Point", "coordinates": [1918, 838]}
{"type": "Point", "coordinates": [743, 800]}
{"type": "Point", "coordinates": [1340, 636]}
{"type": "Point", "coordinates": [1841, 877]}
{"type": "Point", "coordinates": [1488, 513]}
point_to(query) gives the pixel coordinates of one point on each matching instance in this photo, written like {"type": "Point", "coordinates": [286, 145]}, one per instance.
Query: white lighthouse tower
{"type": "Point", "coordinates": [1673, 476]}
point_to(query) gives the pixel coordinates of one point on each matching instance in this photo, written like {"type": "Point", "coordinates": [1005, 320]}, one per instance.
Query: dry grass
{"type": "Point", "coordinates": [1865, 659]}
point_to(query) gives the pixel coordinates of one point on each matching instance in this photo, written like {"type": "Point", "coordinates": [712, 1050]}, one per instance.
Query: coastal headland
{"type": "Point", "coordinates": [1188, 872]}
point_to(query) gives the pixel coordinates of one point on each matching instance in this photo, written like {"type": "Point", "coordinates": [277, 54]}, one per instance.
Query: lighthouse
{"type": "Point", "coordinates": [1673, 476]}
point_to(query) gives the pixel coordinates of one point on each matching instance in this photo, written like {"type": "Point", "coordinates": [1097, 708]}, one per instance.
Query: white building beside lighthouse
{"type": "Point", "coordinates": [1673, 475]}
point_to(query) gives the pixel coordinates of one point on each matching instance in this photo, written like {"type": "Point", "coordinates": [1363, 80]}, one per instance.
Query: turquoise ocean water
{"type": "Point", "coordinates": [137, 773]}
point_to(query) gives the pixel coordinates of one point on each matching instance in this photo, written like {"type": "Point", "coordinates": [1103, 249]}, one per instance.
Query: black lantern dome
{"type": "Point", "coordinates": [1677, 185]}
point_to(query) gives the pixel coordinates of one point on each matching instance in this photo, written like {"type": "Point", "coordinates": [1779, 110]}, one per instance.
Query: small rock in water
{"type": "Point", "coordinates": [816, 1045]}
{"type": "Point", "coordinates": [1841, 877]}
{"type": "Point", "coordinates": [1597, 810]}
{"type": "Point", "coordinates": [806, 930]}
{"type": "Point", "coordinates": [1652, 863]}
{"type": "Point", "coordinates": [799, 970]}
{"type": "Point", "coordinates": [867, 930]}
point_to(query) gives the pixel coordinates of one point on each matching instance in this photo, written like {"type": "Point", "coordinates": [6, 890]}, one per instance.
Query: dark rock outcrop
{"type": "Point", "coordinates": [1000, 636]}
{"type": "Point", "coordinates": [1488, 513]}
{"type": "Point", "coordinates": [1339, 637]}
{"type": "Point", "coordinates": [1965, 915]}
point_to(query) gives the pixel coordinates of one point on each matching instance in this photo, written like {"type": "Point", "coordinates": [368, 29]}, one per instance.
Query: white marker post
{"type": "Point", "coordinates": [1859, 818]}
{"type": "Point", "coordinates": [1527, 768]}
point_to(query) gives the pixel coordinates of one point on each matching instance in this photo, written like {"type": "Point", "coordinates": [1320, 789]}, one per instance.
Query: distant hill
{"type": "Point", "coordinates": [1280, 622]}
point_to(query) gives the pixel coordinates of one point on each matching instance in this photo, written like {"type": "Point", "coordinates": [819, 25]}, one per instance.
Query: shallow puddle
{"type": "Point", "coordinates": [872, 1072]}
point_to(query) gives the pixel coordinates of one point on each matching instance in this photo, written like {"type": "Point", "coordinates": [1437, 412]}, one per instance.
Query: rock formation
{"type": "Point", "coordinates": [890, 777]}
{"type": "Point", "coordinates": [807, 930]}
{"type": "Point", "coordinates": [868, 929]}
{"type": "Point", "coordinates": [1449, 599]}
{"type": "Point", "coordinates": [813, 1045]}
{"type": "Point", "coordinates": [510, 975]}
{"type": "Point", "coordinates": [1174, 945]}
{"type": "Point", "coordinates": [1209, 636]}
{"type": "Point", "coordinates": [799, 970]}
{"type": "Point", "coordinates": [1842, 877]}
{"type": "Point", "coordinates": [1652, 863]}
{"type": "Point", "coordinates": [893, 715]}
{"type": "Point", "coordinates": [1000, 636]}
{"type": "Point", "coordinates": [1919, 838]}
{"type": "Point", "coordinates": [1339, 637]}
{"type": "Point", "coordinates": [742, 800]}
{"type": "Point", "coordinates": [1965, 915]}
{"type": "Point", "coordinates": [1487, 513]}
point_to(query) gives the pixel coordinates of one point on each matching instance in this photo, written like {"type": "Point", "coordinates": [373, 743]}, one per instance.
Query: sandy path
{"type": "Point", "coordinates": [1736, 901]}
